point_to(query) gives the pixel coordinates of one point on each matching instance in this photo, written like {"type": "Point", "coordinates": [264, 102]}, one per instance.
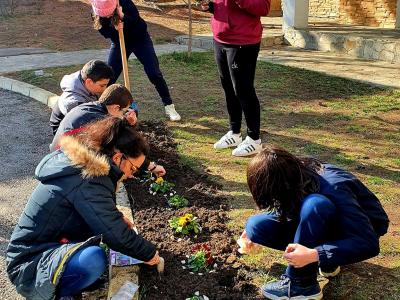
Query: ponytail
{"type": "Point", "coordinates": [113, 134]}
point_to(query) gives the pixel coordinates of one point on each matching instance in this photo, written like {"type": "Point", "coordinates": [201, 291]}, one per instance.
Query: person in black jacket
{"type": "Point", "coordinates": [54, 250]}
{"type": "Point", "coordinates": [108, 17]}
{"type": "Point", "coordinates": [320, 215]}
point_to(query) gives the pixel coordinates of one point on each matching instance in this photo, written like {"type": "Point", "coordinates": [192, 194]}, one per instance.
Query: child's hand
{"type": "Point", "coordinates": [130, 116]}
{"type": "Point", "coordinates": [299, 256]}
{"type": "Point", "coordinates": [246, 246]}
{"type": "Point", "coordinates": [120, 12]}
{"type": "Point", "coordinates": [119, 26]}
{"type": "Point", "coordinates": [154, 261]}
{"type": "Point", "coordinates": [159, 171]}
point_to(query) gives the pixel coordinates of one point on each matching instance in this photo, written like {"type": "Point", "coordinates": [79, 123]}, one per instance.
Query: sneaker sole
{"type": "Point", "coordinates": [246, 154]}
{"type": "Point", "coordinates": [225, 147]}
{"type": "Point", "coordinates": [311, 297]}
{"type": "Point", "coordinates": [330, 275]}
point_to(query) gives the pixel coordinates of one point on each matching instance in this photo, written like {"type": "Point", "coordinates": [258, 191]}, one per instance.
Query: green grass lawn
{"type": "Point", "coordinates": [345, 122]}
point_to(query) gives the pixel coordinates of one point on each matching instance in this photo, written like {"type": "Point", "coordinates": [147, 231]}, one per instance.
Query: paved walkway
{"type": "Point", "coordinates": [24, 140]}
{"type": "Point", "coordinates": [59, 59]}
{"type": "Point", "coordinates": [374, 72]}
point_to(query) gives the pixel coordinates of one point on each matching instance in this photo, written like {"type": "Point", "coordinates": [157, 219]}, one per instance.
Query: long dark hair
{"type": "Point", "coordinates": [112, 134]}
{"type": "Point", "coordinates": [278, 180]}
{"type": "Point", "coordinates": [100, 22]}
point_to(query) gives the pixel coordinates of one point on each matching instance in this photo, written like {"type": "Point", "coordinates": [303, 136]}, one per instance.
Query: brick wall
{"type": "Point", "coordinates": [378, 13]}
{"type": "Point", "coordinates": [325, 9]}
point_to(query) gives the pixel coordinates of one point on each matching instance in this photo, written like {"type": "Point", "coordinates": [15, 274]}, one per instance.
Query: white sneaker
{"type": "Point", "coordinates": [248, 147]}
{"type": "Point", "coordinates": [171, 113]}
{"type": "Point", "coordinates": [228, 140]}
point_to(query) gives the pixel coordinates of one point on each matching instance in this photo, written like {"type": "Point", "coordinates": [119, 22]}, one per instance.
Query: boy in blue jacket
{"type": "Point", "coordinates": [321, 216]}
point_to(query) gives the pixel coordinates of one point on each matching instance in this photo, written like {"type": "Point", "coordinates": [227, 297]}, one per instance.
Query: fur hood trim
{"type": "Point", "coordinates": [91, 163]}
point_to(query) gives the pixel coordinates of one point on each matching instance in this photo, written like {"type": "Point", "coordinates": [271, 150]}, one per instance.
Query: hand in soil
{"type": "Point", "coordinates": [154, 261]}
{"type": "Point", "coordinates": [246, 246]}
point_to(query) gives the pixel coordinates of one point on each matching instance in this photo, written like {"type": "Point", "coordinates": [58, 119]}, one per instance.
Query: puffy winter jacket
{"type": "Point", "coordinates": [75, 199]}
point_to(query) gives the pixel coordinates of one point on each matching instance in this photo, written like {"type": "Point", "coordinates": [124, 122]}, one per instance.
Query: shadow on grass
{"type": "Point", "coordinates": [371, 280]}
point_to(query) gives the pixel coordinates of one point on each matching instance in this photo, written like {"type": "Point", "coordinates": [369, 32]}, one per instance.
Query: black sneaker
{"type": "Point", "coordinates": [285, 289]}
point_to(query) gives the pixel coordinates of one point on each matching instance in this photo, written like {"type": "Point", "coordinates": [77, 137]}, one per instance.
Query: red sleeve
{"type": "Point", "coordinates": [255, 7]}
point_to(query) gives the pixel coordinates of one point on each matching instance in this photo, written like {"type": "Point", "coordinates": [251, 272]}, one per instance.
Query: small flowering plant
{"type": "Point", "coordinates": [201, 259]}
{"type": "Point", "coordinates": [177, 201]}
{"type": "Point", "coordinates": [185, 224]}
{"type": "Point", "coordinates": [197, 296]}
{"type": "Point", "coordinates": [161, 186]}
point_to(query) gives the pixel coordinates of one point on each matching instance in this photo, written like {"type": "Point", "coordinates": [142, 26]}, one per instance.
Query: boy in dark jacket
{"type": "Point", "coordinates": [321, 216]}
{"type": "Point", "coordinates": [83, 86]}
{"type": "Point", "coordinates": [107, 18]}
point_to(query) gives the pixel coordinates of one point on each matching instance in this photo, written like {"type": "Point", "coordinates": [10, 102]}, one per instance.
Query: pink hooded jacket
{"type": "Point", "coordinates": [237, 22]}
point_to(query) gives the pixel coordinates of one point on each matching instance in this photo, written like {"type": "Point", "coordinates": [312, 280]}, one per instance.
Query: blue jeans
{"type": "Point", "coordinates": [144, 52]}
{"type": "Point", "coordinates": [314, 226]}
{"type": "Point", "coordinates": [83, 269]}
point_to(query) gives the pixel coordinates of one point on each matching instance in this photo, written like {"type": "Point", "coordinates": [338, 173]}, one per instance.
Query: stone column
{"type": "Point", "coordinates": [295, 13]}
{"type": "Point", "coordinates": [398, 15]}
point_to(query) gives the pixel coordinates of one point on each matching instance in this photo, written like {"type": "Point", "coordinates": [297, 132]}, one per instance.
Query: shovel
{"type": "Point", "coordinates": [124, 59]}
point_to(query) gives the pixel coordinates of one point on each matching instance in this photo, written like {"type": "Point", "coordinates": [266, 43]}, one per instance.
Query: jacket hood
{"type": "Point", "coordinates": [74, 83]}
{"type": "Point", "coordinates": [73, 158]}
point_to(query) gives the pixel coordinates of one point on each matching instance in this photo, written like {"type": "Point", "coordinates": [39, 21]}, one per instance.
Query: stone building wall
{"type": "Point", "coordinates": [325, 9]}
{"type": "Point", "coordinates": [377, 13]}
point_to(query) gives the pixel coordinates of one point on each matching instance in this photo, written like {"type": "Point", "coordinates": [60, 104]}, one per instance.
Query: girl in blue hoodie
{"type": "Point", "coordinates": [321, 216]}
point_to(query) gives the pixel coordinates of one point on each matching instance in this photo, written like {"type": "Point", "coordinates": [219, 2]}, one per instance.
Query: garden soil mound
{"type": "Point", "coordinates": [231, 280]}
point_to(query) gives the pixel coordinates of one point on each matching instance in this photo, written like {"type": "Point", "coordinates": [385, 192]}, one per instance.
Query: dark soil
{"type": "Point", "coordinates": [231, 280]}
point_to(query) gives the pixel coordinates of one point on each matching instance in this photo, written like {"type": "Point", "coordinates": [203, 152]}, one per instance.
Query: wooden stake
{"type": "Point", "coordinates": [124, 59]}
{"type": "Point", "coordinates": [190, 29]}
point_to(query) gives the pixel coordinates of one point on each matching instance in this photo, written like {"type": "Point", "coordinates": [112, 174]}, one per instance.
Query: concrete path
{"type": "Point", "coordinates": [59, 59]}
{"type": "Point", "coordinates": [24, 140]}
{"type": "Point", "coordinates": [373, 72]}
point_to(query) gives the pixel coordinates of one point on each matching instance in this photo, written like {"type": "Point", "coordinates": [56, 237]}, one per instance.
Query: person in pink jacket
{"type": "Point", "coordinates": [237, 34]}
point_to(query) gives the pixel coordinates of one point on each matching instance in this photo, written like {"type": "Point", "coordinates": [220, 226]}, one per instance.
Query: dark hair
{"type": "Point", "coordinates": [96, 70]}
{"type": "Point", "coordinates": [111, 134]}
{"type": "Point", "coordinates": [279, 180]}
{"type": "Point", "coordinates": [116, 94]}
{"type": "Point", "coordinates": [101, 22]}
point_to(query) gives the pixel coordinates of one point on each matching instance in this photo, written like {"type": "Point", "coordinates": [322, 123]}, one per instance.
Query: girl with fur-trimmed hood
{"type": "Point", "coordinates": [54, 249]}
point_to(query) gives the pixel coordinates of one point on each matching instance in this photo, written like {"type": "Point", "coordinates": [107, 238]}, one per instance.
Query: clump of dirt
{"type": "Point", "coordinates": [230, 279]}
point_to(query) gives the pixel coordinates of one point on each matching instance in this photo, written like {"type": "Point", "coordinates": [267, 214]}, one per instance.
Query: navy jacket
{"type": "Point", "coordinates": [75, 199]}
{"type": "Point", "coordinates": [135, 28]}
{"type": "Point", "coordinates": [78, 117]}
{"type": "Point", "coordinates": [361, 219]}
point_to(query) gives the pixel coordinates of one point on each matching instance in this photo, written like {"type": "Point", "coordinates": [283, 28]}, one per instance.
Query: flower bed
{"type": "Point", "coordinates": [225, 278]}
